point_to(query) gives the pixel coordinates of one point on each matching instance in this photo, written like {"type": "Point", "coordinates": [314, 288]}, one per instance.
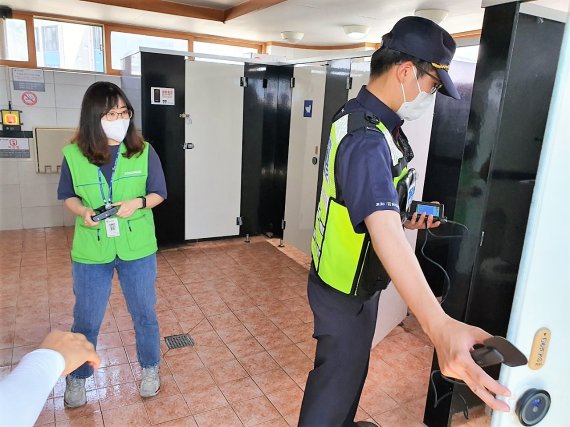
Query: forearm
{"type": "Point", "coordinates": [74, 205]}
{"type": "Point", "coordinates": [153, 200]}
{"type": "Point", "coordinates": [24, 391]}
{"type": "Point", "coordinates": [399, 260]}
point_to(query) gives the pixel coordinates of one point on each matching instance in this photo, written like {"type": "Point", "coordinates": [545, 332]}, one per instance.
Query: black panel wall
{"type": "Point", "coordinates": [266, 123]}
{"type": "Point", "coordinates": [446, 146]}
{"type": "Point", "coordinates": [511, 96]}
{"type": "Point", "coordinates": [162, 126]}
{"type": "Point", "coordinates": [336, 95]}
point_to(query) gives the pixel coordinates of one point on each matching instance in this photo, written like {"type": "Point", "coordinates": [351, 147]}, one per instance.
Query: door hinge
{"type": "Point", "coordinates": [482, 238]}
{"type": "Point", "coordinates": [239, 220]}
{"type": "Point", "coordinates": [243, 81]}
{"type": "Point", "coordinates": [292, 82]}
{"type": "Point", "coordinates": [348, 83]}
{"type": "Point", "coordinates": [283, 224]}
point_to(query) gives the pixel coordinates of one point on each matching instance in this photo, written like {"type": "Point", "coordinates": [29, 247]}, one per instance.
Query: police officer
{"type": "Point", "coordinates": [366, 184]}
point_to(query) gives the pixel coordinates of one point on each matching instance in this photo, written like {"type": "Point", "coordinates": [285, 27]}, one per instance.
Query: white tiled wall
{"type": "Point", "coordinates": [29, 199]}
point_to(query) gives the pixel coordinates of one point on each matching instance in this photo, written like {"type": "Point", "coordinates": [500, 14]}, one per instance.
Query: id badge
{"type": "Point", "coordinates": [112, 226]}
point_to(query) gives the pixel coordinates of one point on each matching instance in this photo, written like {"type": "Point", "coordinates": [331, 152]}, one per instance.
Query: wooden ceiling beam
{"type": "Point", "coordinates": [249, 6]}
{"type": "Point", "coordinates": [170, 8]}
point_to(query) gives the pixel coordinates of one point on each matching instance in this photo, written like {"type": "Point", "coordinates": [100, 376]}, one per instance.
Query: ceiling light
{"type": "Point", "coordinates": [356, 32]}
{"type": "Point", "coordinates": [292, 36]}
{"type": "Point", "coordinates": [435, 15]}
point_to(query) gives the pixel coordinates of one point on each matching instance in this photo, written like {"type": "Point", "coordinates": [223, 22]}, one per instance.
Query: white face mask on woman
{"type": "Point", "coordinates": [116, 129]}
{"type": "Point", "coordinates": [413, 110]}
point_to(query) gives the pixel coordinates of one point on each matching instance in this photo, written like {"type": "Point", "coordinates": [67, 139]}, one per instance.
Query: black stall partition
{"type": "Point", "coordinates": [266, 123]}
{"type": "Point", "coordinates": [513, 85]}
{"type": "Point", "coordinates": [447, 142]}
{"type": "Point", "coordinates": [162, 126]}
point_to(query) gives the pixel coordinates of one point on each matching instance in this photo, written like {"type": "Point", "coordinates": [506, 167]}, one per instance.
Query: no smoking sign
{"type": "Point", "coordinates": [29, 98]}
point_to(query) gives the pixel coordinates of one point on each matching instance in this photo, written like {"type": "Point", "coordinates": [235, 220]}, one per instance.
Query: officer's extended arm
{"type": "Point", "coordinates": [452, 339]}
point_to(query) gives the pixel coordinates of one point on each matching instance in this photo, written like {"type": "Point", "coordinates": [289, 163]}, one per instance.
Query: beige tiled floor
{"type": "Point", "coordinates": [245, 305]}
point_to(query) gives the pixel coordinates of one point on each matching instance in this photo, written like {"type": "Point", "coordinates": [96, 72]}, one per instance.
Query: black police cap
{"type": "Point", "coordinates": [425, 40]}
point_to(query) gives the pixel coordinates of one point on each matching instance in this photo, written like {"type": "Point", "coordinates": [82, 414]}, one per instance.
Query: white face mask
{"type": "Point", "coordinates": [116, 129]}
{"type": "Point", "coordinates": [413, 110]}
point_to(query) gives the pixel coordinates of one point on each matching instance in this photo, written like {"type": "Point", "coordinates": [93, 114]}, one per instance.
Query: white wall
{"type": "Point", "coordinates": [291, 53]}
{"type": "Point", "coordinates": [29, 199]}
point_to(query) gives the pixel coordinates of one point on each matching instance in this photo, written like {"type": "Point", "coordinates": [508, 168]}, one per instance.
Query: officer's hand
{"type": "Point", "coordinates": [87, 217]}
{"type": "Point", "coordinates": [128, 207]}
{"type": "Point", "coordinates": [74, 348]}
{"type": "Point", "coordinates": [453, 342]}
{"type": "Point", "coordinates": [419, 222]}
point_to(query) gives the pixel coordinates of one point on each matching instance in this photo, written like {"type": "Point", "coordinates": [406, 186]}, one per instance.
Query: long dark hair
{"type": "Point", "coordinates": [99, 98]}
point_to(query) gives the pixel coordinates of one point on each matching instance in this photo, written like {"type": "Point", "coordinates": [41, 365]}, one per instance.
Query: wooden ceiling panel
{"type": "Point", "coordinates": [190, 10]}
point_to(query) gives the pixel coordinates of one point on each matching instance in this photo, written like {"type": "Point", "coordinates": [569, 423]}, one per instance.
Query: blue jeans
{"type": "Point", "coordinates": [92, 287]}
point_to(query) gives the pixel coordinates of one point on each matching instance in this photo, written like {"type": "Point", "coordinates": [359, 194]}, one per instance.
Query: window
{"type": "Point", "coordinates": [123, 44]}
{"type": "Point", "coordinates": [467, 53]}
{"type": "Point", "coordinates": [13, 40]}
{"type": "Point", "coordinates": [224, 50]}
{"type": "Point", "coordinates": [69, 45]}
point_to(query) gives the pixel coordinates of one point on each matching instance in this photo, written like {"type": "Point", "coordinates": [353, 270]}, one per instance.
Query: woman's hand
{"type": "Point", "coordinates": [88, 213]}
{"type": "Point", "coordinates": [128, 207]}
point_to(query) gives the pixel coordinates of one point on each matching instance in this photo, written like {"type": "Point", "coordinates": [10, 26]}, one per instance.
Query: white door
{"type": "Point", "coordinates": [304, 144]}
{"type": "Point", "coordinates": [540, 317]}
{"type": "Point", "coordinates": [214, 101]}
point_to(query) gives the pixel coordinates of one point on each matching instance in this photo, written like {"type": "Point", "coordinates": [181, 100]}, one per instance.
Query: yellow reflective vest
{"type": "Point", "coordinates": [342, 258]}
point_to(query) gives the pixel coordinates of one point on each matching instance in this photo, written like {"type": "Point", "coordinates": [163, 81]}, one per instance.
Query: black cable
{"type": "Point", "coordinates": [446, 280]}
{"type": "Point", "coordinates": [438, 400]}
{"type": "Point", "coordinates": [445, 292]}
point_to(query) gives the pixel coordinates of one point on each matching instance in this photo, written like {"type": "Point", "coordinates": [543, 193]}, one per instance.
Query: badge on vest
{"type": "Point", "coordinates": [112, 227]}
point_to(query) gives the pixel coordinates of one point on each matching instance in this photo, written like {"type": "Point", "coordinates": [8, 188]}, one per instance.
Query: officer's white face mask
{"type": "Point", "coordinates": [116, 129]}
{"type": "Point", "coordinates": [413, 110]}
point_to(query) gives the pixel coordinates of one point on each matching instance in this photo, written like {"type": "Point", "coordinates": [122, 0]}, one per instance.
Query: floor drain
{"type": "Point", "coordinates": [179, 341]}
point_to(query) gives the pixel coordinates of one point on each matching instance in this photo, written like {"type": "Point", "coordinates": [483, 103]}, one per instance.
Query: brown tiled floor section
{"type": "Point", "coordinates": [246, 307]}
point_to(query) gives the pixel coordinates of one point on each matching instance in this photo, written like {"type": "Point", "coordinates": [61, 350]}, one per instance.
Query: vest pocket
{"type": "Point", "coordinates": [88, 244]}
{"type": "Point", "coordinates": [140, 231]}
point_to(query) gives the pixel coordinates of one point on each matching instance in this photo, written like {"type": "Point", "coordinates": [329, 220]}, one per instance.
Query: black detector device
{"type": "Point", "coordinates": [533, 406]}
{"type": "Point", "coordinates": [435, 209]}
{"type": "Point", "coordinates": [103, 213]}
{"type": "Point", "coordinates": [497, 350]}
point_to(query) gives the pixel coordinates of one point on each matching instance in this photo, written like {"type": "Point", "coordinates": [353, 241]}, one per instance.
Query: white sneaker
{"type": "Point", "coordinates": [150, 384]}
{"type": "Point", "coordinates": [74, 395]}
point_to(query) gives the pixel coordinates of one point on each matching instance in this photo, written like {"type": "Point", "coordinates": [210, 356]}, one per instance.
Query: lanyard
{"type": "Point", "coordinates": [107, 203]}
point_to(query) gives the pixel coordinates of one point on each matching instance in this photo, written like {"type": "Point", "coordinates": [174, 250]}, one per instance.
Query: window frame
{"type": "Point", "coordinates": [31, 40]}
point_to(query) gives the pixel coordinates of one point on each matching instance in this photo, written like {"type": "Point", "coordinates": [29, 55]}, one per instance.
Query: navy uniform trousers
{"type": "Point", "coordinates": [344, 328]}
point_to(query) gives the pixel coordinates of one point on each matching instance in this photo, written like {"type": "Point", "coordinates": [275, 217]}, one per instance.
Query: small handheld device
{"type": "Point", "coordinates": [497, 350]}
{"type": "Point", "coordinates": [103, 213]}
{"type": "Point", "coordinates": [428, 208]}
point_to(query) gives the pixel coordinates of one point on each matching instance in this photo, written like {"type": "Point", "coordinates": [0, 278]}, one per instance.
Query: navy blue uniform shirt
{"type": "Point", "coordinates": [155, 182]}
{"type": "Point", "coordinates": [363, 163]}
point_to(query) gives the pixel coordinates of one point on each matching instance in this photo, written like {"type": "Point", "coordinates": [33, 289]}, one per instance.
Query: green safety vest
{"type": "Point", "coordinates": [343, 259]}
{"type": "Point", "coordinates": [137, 238]}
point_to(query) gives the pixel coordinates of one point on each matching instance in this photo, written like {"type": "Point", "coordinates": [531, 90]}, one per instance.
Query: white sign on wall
{"type": "Point", "coordinates": [14, 148]}
{"type": "Point", "coordinates": [28, 79]}
{"type": "Point", "coordinates": [162, 96]}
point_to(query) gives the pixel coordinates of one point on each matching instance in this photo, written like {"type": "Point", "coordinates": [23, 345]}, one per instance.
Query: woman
{"type": "Point", "coordinates": [110, 165]}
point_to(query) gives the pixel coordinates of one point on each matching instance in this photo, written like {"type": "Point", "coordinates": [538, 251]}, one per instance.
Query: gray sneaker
{"type": "Point", "coordinates": [150, 384]}
{"type": "Point", "coordinates": [74, 396]}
